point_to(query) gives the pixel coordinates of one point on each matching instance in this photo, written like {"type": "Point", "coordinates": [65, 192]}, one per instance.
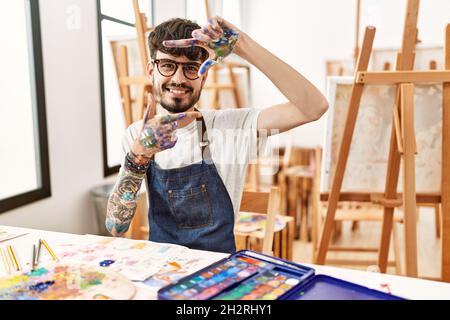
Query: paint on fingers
{"type": "Point", "coordinates": [148, 138]}
{"type": "Point", "coordinates": [225, 44]}
{"type": "Point", "coordinates": [205, 66]}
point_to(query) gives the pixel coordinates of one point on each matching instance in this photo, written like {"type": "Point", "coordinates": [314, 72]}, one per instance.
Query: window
{"type": "Point", "coordinates": [115, 23]}
{"type": "Point", "coordinates": [24, 165]}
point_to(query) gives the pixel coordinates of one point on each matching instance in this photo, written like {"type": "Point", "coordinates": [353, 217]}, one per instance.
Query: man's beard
{"type": "Point", "coordinates": [176, 105]}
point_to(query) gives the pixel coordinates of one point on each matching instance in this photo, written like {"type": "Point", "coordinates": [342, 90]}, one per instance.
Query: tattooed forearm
{"type": "Point", "coordinates": [122, 202]}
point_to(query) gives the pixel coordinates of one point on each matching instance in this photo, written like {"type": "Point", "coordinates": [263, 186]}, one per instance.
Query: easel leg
{"type": "Point", "coordinates": [344, 148]}
{"type": "Point", "coordinates": [390, 193]}
{"type": "Point", "coordinates": [405, 61]}
{"type": "Point", "coordinates": [124, 72]}
{"type": "Point", "coordinates": [437, 219]}
{"type": "Point", "coordinates": [140, 105]}
{"type": "Point", "coordinates": [409, 183]}
{"type": "Point", "coordinates": [445, 189]}
{"type": "Point", "coordinates": [215, 92]}
{"type": "Point", "coordinates": [237, 99]}
{"type": "Point", "coordinates": [397, 256]}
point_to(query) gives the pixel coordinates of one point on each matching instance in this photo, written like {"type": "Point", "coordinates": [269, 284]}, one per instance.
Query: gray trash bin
{"type": "Point", "coordinates": [100, 197]}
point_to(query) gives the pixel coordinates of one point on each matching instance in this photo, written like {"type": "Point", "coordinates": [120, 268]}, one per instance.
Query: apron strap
{"type": "Point", "coordinates": [203, 139]}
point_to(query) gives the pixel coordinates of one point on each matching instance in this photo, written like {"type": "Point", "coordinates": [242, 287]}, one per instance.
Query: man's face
{"type": "Point", "coordinates": [176, 93]}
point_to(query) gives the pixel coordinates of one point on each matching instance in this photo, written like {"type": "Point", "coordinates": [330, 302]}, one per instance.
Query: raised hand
{"type": "Point", "coordinates": [218, 37]}
{"type": "Point", "coordinates": [158, 132]}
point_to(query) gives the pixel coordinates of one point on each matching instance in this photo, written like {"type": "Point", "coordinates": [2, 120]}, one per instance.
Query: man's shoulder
{"type": "Point", "coordinates": [215, 118]}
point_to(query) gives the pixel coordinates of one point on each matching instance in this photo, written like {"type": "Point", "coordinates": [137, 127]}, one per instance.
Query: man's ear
{"type": "Point", "coordinates": [150, 69]}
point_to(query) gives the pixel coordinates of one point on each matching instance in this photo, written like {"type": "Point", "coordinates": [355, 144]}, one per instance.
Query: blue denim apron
{"type": "Point", "coordinates": [190, 206]}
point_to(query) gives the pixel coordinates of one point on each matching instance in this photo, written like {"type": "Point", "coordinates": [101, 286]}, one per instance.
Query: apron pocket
{"type": "Point", "coordinates": [191, 207]}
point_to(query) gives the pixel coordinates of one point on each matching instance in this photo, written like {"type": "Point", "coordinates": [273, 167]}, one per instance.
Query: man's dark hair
{"type": "Point", "coordinates": [175, 29]}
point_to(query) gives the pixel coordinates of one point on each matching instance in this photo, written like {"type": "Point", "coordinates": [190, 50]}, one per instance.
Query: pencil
{"type": "Point", "coordinates": [13, 257]}
{"type": "Point", "coordinates": [36, 262]}
{"type": "Point", "coordinates": [33, 261]}
{"type": "Point", "coordinates": [5, 260]}
{"type": "Point", "coordinates": [49, 249]}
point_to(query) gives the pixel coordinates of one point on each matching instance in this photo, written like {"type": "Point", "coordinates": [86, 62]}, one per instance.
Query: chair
{"type": "Point", "coordinates": [139, 225]}
{"type": "Point", "coordinates": [295, 180]}
{"type": "Point", "coordinates": [258, 202]}
{"type": "Point", "coordinates": [278, 243]}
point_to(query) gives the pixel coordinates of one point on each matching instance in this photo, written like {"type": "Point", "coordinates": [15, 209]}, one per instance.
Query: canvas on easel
{"type": "Point", "coordinates": [427, 58]}
{"type": "Point", "coordinates": [402, 147]}
{"type": "Point", "coordinates": [370, 146]}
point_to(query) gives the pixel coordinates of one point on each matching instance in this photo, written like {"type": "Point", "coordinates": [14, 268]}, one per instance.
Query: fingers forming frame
{"type": "Point", "coordinates": [218, 39]}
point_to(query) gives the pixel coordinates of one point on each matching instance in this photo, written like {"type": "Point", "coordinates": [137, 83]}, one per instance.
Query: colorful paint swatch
{"type": "Point", "coordinates": [66, 282]}
{"type": "Point", "coordinates": [238, 278]}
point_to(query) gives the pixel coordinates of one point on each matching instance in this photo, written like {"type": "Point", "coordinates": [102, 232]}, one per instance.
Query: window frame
{"type": "Point", "coordinates": [39, 114]}
{"type": "Point", "coordinates": [107, 170]}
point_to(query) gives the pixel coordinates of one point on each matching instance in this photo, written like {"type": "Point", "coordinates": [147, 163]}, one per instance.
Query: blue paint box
{"type": "Point", "coordinates": [248, 275]}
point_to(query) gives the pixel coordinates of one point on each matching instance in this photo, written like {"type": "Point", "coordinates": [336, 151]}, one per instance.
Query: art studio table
{"type": "Point", "coordinates": [405, 287]}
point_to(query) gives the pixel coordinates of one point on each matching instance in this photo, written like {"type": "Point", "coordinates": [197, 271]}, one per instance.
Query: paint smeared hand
{"type": "Point", "coordinates": [218, 37]}
{"type": "Point", "coordinates": [158, 133]}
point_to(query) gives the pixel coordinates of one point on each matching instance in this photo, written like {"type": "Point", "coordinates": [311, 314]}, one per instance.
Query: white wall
{"type": "Point", "coordinates": [306, 33]}
{"type": "Point", "coordinates": [73, 119]}
{"type": "Point", "coordinates": [164, 10]}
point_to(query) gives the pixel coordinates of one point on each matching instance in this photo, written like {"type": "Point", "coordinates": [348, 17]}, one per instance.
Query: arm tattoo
{"type": "Point", "coordinates": [122, 202]}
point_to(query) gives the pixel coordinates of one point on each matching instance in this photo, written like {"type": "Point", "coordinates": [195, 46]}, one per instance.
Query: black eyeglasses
{"type": "Point", "coordinates": [168, 68]}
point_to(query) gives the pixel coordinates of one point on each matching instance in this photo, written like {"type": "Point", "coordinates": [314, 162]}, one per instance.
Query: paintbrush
{"type": "Point", "coordinates": [33, 262]}
{"type": "Point", "coordinates": [5, 260]}
{"type": "Point", "coordinates": [13, 257]}
{"type": "Point", "coordinates": [45, 244]}
{"type": "Point", "coordinates": [36, 261]}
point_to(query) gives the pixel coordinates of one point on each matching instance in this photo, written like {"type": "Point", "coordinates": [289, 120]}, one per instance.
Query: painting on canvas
{"type": "Point", "coordinates": [367, 161]}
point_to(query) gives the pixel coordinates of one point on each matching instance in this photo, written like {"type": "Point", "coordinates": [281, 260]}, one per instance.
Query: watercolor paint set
{"type": "Point", "coordinates": [248, 275]}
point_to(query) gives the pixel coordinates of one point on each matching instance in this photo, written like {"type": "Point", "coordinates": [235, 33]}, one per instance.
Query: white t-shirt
{"type": "Point", "coordinates": [232, 134]}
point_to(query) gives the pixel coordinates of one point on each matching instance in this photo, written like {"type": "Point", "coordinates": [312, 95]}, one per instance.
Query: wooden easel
{"type": "Point", "coordinates": [357, 22]}
{"type": "Point", "coordinates": [402, 146]}
{"type": "Point", "coordinates": [215, 85]}
{"type": "Point", "coordinates": [143, 83]}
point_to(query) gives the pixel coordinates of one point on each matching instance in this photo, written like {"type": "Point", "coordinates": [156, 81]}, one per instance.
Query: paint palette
{"type": "Point", "coordinates": [66, 282]}
{"type": "Point", "coordinates": [248, 275]}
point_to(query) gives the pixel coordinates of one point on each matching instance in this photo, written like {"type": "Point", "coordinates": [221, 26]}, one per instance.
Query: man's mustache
{"type": "Point", "coordinates": [178, 85]}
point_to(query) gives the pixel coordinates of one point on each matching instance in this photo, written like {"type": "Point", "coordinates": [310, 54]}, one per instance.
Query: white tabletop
{"type": "Point", "coordinates": [405, 287]}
